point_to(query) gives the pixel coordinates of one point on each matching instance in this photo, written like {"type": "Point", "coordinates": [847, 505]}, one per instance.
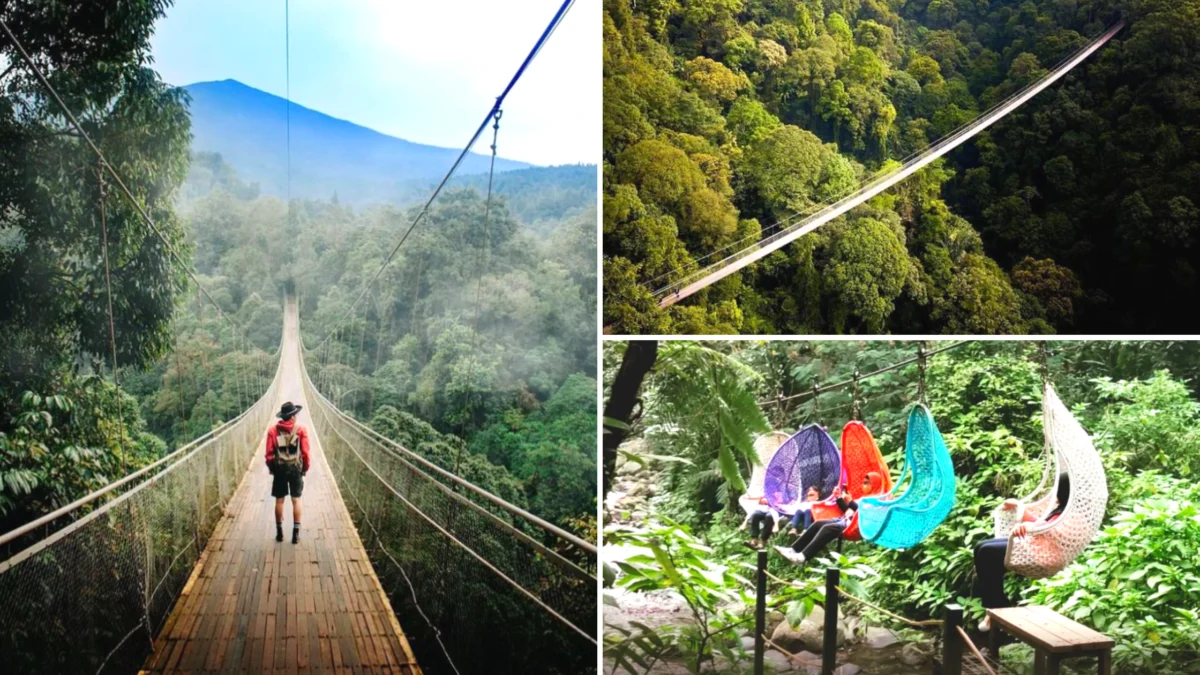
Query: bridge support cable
{"type": "Point", "coordinates": [115, 571]}
{"type": "Point", "coordinates": [480, 268]}
{"type": "Point", "coordinates": [504, 570]}
{"type": "Point", "coordinates": [124, 189]}
{"type": "Point", "coordinates": [694, 282]}
{"type": "Point", "coordinates": [492, 114]}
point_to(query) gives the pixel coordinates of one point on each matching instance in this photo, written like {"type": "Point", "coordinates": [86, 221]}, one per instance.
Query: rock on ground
{"type": "Point", "coordinates": [878, 638]}
{"type": "Point", "coordinates": [912, 655]}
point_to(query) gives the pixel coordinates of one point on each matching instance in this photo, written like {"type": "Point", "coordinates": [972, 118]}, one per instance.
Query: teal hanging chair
{"type": "Point", "coordinates": [903, 519]}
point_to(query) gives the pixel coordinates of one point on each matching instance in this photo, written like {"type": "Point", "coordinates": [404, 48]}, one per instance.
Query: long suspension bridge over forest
{"type": "Point", "coordinates": [403, 566]}
{"type": "Point", "coordinates": [739, 254]}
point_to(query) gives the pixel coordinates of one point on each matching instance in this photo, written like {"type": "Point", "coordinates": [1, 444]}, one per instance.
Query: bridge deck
{"type": "Point", "coordinates": [254, 605]}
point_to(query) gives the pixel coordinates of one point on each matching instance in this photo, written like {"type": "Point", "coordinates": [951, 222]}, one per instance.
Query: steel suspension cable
{"type": "Point", "coordinates": [817, 206]}
{"type": "Point", "coordinates": [112, 328]}
{"type": "Point", "coordinates": [710, 274]}
{"type": "Point", "coordinates": [537, 47]}
{"type": "Point", "coordinates": [859, 377]}
{"type": "Point", "coordinates": [141, 210]}
{"type": "Point", "coordinates": [481, 267]}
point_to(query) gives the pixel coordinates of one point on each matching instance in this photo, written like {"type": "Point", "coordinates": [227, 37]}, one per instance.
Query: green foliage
{"type": "Point", "coordinates": [1019, 234]}
{"type": "Point", "coordinates": [1139, 581]}
{"type": "Point", "coordinates": [677, 560]}
{"type": "Point", "coordinates": [1150, 424]}
{"type": "Point", "coordinates": [712, 396]}
{"type": "Point", "coordinates": [64, 445]}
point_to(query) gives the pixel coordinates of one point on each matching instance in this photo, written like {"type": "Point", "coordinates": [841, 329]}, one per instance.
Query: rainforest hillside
{"type": "Point", "coordinates": [1075, 213]}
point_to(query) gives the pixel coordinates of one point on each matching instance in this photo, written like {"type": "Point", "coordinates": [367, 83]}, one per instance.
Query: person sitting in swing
{"type": "Point", "coordinates": [990, 553]}
{"type": "Point", "coordinates": [762, 518]}
{"type": "Point", "coordinates": [819, 534]}
{"type": "Point", "coordinates": [803, 518]}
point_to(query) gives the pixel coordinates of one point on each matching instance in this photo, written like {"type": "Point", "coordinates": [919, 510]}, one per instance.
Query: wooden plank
{"type": "Point", "coordinates": [1047, 630]}
{"type": "Point", "coordinates": [254, 605]}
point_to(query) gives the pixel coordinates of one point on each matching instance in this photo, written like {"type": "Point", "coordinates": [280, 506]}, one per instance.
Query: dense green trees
{"type": "Point", "coordinates": [789, 104]}
{"type": "Point", "coordinates": [63, 430]}
{"type": "Point", "coordinates": [520, 390]}
{"type": "Point", "coordinates": [1138, 400]}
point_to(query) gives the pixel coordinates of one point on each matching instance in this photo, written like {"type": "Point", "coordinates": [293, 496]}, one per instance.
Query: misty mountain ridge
{"type": "Point", "coordinates": [248, 128]}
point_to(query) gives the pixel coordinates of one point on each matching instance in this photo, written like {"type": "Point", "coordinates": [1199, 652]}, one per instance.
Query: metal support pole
{"type": "Point", "coordinates": [833, 578]}
{"type": "Point", "coordinates": [760, 613]}
{"type": "Point", "coordinates": [952, 645]}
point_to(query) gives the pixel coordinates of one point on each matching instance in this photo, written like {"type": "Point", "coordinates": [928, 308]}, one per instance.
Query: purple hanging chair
{"type": "Point", "coordinates": [809, 457]}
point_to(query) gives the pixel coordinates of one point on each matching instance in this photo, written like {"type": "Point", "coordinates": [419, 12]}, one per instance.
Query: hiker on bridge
{"type": "Point", "coordinates": [287, 460]}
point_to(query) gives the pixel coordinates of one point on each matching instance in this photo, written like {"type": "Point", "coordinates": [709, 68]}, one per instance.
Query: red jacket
{"type": "Point", "coordinates": [287, 426]}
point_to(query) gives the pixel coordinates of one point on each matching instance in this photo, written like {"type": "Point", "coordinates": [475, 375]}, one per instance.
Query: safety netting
{"type": "Point", "coordinates": [478, 584]}
{"type": "Point", "coordinates": [89, 596]}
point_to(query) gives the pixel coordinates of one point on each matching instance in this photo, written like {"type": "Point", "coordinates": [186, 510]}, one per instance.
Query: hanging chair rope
{"type": "Point", "coordinates": [879, 371]}
{"type": "Point", "coordinates": [855, 401]}
{"type": "Point", "coordinates": [921, 365]}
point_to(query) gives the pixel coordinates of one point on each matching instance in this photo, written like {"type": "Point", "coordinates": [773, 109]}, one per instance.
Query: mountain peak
{"type": "Point", "coordinates": [248, 127]}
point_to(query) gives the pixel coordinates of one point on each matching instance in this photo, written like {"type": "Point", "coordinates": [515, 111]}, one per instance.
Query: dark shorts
{"type": "Point", "coordinates": [287, 482]}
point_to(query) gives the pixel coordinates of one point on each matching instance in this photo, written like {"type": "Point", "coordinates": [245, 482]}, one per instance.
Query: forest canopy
{"type": "Point", "coordinates": [725, 117]}
{"type": "Point", "coordinates": [188, 359]}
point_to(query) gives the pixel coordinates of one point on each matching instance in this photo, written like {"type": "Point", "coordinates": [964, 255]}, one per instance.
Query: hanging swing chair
{"type": "Point", "coordinates": [903, 520]}
{"type": "Point", "coordinates": [765, 446]}
{"type": "Point", "coordinates": [860, 456]}
{"type": "Point", "coordinates": [1048, 547]}
{"type": "Point", "coordinates": [808, 458]}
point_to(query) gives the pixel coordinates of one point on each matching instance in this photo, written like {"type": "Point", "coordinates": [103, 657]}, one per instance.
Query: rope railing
{"type": "Point", "coordinates": [478, 582]}
{"type": "Point", "coordinates": [91, 596]}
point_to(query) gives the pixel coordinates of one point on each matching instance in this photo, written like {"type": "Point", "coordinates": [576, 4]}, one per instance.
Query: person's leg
{"type": "Point", "coordinates": [808, 519]}
{"type": "Point", "coordinates": [798, 518]}
{"type": "Point", "coordinates": [279, 519]}
{"type": "Point", "coordinates": [297, 489]}
{"type": "Point", "coordinates": [989, 572]}
{"type": "Point", "coordinates": [824, 532]}
{"type": "Point", "coordinates": [756, 519]}
{"type": "Point", "coordinates": [806, 538]}
{"type": "Point", "coordinates": [768, 527]}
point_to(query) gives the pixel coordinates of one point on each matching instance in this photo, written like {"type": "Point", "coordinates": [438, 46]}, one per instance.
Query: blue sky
{"type": "Point", "coordinates": [423, 71]}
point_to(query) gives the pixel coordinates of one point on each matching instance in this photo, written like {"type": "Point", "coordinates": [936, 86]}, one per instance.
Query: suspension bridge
{"type": "Point", "coordinates": [788, 232]}
{"type": "Point", "coordinates": [181, 572]}
{"type": "Point", "coordinates": [402, 565]}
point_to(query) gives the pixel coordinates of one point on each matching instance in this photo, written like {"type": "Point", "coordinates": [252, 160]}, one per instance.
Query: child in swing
{"type": "Point", "coordinates": [803, 518]}
{"type": "Point", "coordinates": [761, 519]}
{"type": "Point", "coordinates": [822, 532]}
{"type": "Point", "coordinates": [990, 553]}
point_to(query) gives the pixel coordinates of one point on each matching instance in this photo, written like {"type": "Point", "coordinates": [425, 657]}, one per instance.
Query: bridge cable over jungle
{"type": "Point", "coordinates": [789, 230]}
{"type": "Point", "coordinates": [171, 567]}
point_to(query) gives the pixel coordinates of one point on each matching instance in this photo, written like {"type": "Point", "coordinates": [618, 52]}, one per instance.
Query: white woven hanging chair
{"type": "Point", "coordinates": [1049, 547]}
{"type": "Point", "coordinates": [766, 446]}
{"type": "Point", "coordinates": [1038, 502]}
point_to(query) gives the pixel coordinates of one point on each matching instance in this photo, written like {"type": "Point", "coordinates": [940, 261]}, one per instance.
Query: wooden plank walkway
{"type": "Point", "coordinates": [254, 605]}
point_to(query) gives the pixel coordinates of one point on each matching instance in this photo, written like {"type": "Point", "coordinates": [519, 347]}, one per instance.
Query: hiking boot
{"type": "Point", "coordinates": [295, 536]}
{"type": "Point", "coordinates": [278, 533]}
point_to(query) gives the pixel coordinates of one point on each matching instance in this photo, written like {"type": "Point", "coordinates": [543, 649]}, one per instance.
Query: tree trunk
{"type": "Point", "coordinates": [639, 358]}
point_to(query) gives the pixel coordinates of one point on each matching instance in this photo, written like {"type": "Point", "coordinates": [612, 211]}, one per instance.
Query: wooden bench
{"type": "Point", "coordinates": [1053, 637]}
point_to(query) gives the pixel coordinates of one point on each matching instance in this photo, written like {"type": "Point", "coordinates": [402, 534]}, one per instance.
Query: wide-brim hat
{"type": "Point", "coordinates": [288, 410]}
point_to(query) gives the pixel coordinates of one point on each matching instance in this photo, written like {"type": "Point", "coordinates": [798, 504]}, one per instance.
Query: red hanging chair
{"type": "Point", "coordinates": [860, 456]}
